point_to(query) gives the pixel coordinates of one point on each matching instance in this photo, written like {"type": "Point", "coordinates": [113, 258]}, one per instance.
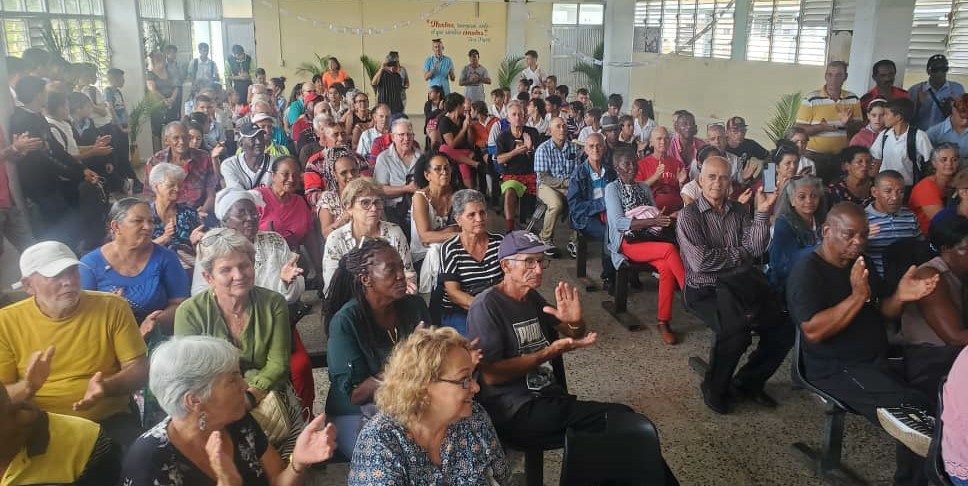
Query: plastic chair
{"type": "Point", "coordinates": [934, 464]}
{"type": "Point", "coordinates": [627, 453]}
{"type": "Point", "coordinates": [826, 462]}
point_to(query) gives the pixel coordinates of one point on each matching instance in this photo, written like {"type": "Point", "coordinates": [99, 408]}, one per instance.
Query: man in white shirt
{"type": "Point", "coordinates": [890, 148]}
{"type": "Point", "coordinates": [531, 70]}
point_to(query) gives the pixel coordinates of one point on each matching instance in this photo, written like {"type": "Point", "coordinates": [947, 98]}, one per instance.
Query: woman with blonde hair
{"type": "Point", "coordinates": [429, 430]}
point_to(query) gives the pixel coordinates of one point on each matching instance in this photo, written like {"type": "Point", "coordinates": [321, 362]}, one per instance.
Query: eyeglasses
{"type": "Point", "coordinates": [367, 203]}
{"type": "Point", "coordinates": [404, 135]}
{"type": "Point", "coordinates": [465, 383]}
{"type": "Point", "coordinates": [531, 263]}
{"type": "Point", "coordinates": [441, 168]}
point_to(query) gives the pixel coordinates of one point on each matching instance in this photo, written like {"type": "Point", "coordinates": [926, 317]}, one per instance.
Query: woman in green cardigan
{"type": "Point", "coordinates": [254, 319]}
{"type": "Point", "coordinates": [368, 311]}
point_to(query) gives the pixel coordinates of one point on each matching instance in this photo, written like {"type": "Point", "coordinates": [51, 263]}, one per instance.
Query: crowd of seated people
{"type": "Point", "coordinates": [208, 270]}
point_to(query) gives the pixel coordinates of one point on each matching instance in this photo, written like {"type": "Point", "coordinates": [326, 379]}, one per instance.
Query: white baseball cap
{"type": "Point", "coordinates": [48, 258]}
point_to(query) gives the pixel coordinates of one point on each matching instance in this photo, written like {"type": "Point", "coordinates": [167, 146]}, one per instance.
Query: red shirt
{"type": "Point", "coordinates": [666, 188]}
{"type": "Point", "coordinates": [872, 95]}
{"type": "Point", "coordinates": [292, 219]}
{"type": "Point", "coordinates": [925, 193]}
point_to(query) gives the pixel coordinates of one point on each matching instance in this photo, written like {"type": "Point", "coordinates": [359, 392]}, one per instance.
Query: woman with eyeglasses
{"type": "Point", "coordinates": [358, 118]}
{"type": "Point", "coordinates": [786, 157]}
{"type": "Point", "coordinates": [253, 318]}
{"type": "Point", "coordinates": [640, 232]}
{"type": "Point", "coordinates": [363, 199]}
{"type": "Point", "coordinates": [368, 312]}
{"type": "Point", "coordinates": [855, 185]}
{"type": "Point", "coordinates": [430, 430]}
{"type": "Point", "coordinates": [431, 218]}
{"type": "Point", "coordinates": [931, 194]}
{"type": "Point", "coordinates": [176, 226]}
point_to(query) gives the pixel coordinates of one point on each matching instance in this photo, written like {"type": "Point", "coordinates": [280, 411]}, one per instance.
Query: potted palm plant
{"type": "Point", "coordinates": [593, 75]}
{"type": "Point", "coordinates": [151, 108]}
{"type": "Point", "coordinates": [784, 116]}
{"type": "Point", "coordinates": [510, 70]}
{"type": "Point", "coordinates": [370, 66]}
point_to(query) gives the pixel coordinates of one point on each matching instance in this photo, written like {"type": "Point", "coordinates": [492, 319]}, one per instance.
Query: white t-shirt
{"type": "Point", "coordinates": [585, 132]}
{"type": "Point", "coordinates": [892, 152]}
{"type": "Point", "coordinates": [537, 76]}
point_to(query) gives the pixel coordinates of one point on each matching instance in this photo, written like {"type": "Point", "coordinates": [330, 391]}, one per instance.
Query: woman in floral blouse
{"type": "Point", "coordinates": [429, 430]}
{"type": "Point", "coordinates": [208, 438]}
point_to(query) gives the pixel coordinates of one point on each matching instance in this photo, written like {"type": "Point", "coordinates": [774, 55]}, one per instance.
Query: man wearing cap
{"type": "Point", "coordinates": [932, 98]}
{"type": "Point", "coordinates": [522, 370]}
{"type": "Point", "coordinates": [276, 139]}
{"type": "Point", "coordinates": [473, 77]}
{"type": "Point", "coordinates": [610, 128]}
{"type": "Point", "coordinates": [438, 68]}
{"type": "Point", "coordinates": [740, 146]}
{"type": "Point", "coordinates": [72, 351]}
{"type": "Point", "coordinates": [250, 168]}
{"type": "Point", "coordinates": [388, 84]}
{"type": "Point", "coordinates": [198, 188]}
{"type": "Point", "coordinates": [826, 113]}
{"type": "Point", "coordinates": [883, 73]}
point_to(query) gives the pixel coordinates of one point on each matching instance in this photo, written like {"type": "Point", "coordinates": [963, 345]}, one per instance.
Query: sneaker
{"type": "Point", "coordinates": [552, 252]}
{"type": "Point", "coordinates": [573, 249]}
{"type": "Point", "coordinates": [911, 426]}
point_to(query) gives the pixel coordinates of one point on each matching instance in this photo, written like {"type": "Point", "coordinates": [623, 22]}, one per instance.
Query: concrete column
{"type": "Point", "coordinates": [123, 25]}
{"type": "Point", "coordinates": [741, 29]}
{"type": "Point", "coordinates": [517, 26]}
{"type": "Point", "coordinates": [619, 26]}
{"type": "Point", "coordinates": [882, 30]}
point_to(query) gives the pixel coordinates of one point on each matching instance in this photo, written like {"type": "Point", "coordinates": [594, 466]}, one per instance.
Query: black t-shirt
{"type": "Point", "coordinates": [40, 171]}
{"type": "Point", "coordinates": [815, 285]}
{"type": "Point", "coordinates": [446, 125]}
{"type": "Point", "coordinates": [749, 148]}
{"type": "Point", "coordinates": [509, 328]}
{"type": "Point", "coordinates": [390, 91]}
{"type": "Point", "coordinates": [523, 163]}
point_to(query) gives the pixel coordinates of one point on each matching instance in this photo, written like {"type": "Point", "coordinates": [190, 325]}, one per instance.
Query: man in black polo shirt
{"type": "Point", "coordinates": [840, 307]}
{"type": "Point", "coordinates": [515, 151]}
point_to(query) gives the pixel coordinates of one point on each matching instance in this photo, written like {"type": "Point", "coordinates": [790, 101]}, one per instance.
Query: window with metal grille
{"type": "Point", "coordinates": [71, 29]}
{"type": "Point", "coordinates": [578, 14]}
{"type": "Point", "coordinates": [789, 31]}
{"type": "Point", "coordinates": [939, 27]}
{"type": "Point", "coordinates": [700, 28]}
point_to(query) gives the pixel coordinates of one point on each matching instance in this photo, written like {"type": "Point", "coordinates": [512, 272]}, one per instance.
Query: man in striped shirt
{"type": "Point", "coordinates": [718, 238]}
{"type": "Point", "coordinates": [554, 161]}
{"type": "Point", "coordinates": [887, 216]}
{"type": "Point", "coordinates": [826, 113]}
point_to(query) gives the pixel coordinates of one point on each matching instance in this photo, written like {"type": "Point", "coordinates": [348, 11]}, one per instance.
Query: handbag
{"type": "Point", "coordinates": [273, 416]}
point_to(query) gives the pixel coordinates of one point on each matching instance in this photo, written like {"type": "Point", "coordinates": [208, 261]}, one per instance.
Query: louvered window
{"type": "Point", "coordinates": [700, 28]}
{"type": "Point", "coordinates": [790, 31]}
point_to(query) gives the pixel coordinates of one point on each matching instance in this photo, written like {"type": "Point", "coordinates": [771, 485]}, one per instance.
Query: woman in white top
{"type": "Point", "coordinates": [363, 199]}
{"type": "Point", "coordinates": [644, 117]}
{"type": "Point", "coordinates": [536, 116]}
{"type": "Point", "coordinates": [430, 215]}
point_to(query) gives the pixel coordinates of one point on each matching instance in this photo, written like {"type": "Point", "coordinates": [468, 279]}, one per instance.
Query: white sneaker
{"type": "Point", "coordinates": [909, 425]}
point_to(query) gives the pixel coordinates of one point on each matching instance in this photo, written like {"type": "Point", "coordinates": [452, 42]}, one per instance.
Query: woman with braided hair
{"type": "Point", "coordinates": [368, 311]}
{"type": "Point", "coordinates": [339, 169]}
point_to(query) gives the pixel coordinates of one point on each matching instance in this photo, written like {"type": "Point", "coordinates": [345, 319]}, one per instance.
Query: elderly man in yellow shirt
{"type": "Point", "coordinates": [827, 115]}
{"type": "Point", "coordinates": [72, 351]}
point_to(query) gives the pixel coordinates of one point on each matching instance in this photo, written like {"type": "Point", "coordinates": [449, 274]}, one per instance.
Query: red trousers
{"type": "Point", "coordinates": [301, 370]}
{"type": "Point", "coordinates": [665, 258]}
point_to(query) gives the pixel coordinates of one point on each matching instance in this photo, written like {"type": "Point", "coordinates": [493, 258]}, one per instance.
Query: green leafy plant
{"type": "Point", "coordinates": [155, 39]}
{"type": "Point", "coordinates": [593, 75]}
{"type": "Point", "coordinates": [783, 117]}
{"type": "Point", "coordinates": [510, 70]}
{"type": "Point", "coordinates": [68, 43]}
{"type": "Point", "coordinates": [370, 66]}
{"type": "Point", "coordinates": [151, 107]}
{"type": "Point", "coordinates": [313, 68]}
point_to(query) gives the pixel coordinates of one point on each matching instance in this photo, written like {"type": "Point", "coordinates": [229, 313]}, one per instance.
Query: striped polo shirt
{"type": "Point", "coordinates": [473, 276]}
{"type": "Point", "coordinates": [893, 227]}
{"type": "Point", "coordinates": [817, 107]}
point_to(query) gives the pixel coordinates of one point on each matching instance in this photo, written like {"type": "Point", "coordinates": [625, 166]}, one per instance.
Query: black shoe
{"type": "Point", "coordinates": [758, 397]}
{"type": "Point", "coordinates": [634, 282]}
{"type": "Point", "coordinates": [715, 402]}
{"type": "Point", "coordinates": [609, 286]}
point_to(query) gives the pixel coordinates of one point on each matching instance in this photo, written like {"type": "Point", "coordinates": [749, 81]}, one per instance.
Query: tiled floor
{"type": "Point", "coordinates": [751, 446]}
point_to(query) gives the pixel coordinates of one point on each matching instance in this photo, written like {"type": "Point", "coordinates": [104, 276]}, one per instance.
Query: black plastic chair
{"type": "Point", "coordinates": [934, 464]}
{"type": "Point", "coordinates": [581, 262]}
{"type": "Point", "coordinates": [826, 462]}
{"type": "Point", "coordinates": [627, 453]}
{"type": "Point", "coordinates": [618, 308]}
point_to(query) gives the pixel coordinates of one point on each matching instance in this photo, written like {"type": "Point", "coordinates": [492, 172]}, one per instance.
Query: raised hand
{"type": "Point", "coordinates": [38, 368]}
{"type": "Point", "coordinates": [569, 305]}
{"type": "Point", "coordinates": [315, 444]}
{"type": "Point", "coordinates": [659, 170]}
{"type": "Point", "coordinates": [24, 143]}
{"type": "Point", "coordinates": [528, 142]}
{"type": "Point", "coordinates": [859, 283]}
{"type": "Point", "coordinates": [222, 459]}
{"type": "Point", "coordinates": [565, 345]}
{"type": "Point", "coordinates": [749, 170]}
{"type": "Point", "coordinates": [745, 196]}
{"type": "Point", "coordinates": [290, 270]}
{"type": "Point", "coordinates": [683, 176]}
{"type": "Point", "coordinates": [476, 354]}
{"type": "Point", "coordinates": [148, 325]}
{"type": "Point", "coordinates": [912, 289]}
{"type": "Point", "coordinates": [95, 391]}
{"type": "Point", "coordinates": [764, 201]}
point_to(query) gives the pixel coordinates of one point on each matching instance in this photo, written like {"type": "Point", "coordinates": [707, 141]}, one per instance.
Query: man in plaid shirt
{"type": "Point", "coordinates": [554, 162]}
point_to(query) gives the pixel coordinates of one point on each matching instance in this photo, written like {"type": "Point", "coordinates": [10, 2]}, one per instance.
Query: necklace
{"type": "Point", "coordinates": [393, 335]}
